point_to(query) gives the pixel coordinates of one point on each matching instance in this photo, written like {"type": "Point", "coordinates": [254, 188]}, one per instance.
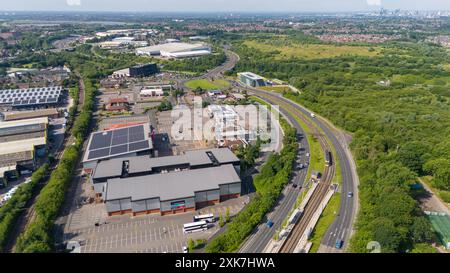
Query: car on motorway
{"type": "Point", "coordinates": [350, 194]}
{"type": "Point", "coordinates": [339, 243]}
{"type": "Point", "coordinates": [294, 185]}
{"type": "Point", "coordinates": [269, 224]}
{"type": "Point", "coordinates": [313, 115]}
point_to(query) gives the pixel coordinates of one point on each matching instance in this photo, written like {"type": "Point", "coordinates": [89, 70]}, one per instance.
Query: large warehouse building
{"type": "Point", "coordinates": [31, 97]}
{"type": "Point", "coordinates": [175, 50]}
{"type": "Point", "coordinates": [194, 179]}
{"type": "Point", "coordinates": [119, 142]}
{"type": "Point", "coordinates": [170, 193]}
{"type": "Point", "coordinates": [21, 142]}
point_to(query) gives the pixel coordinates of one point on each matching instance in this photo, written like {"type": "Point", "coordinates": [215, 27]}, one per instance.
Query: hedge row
{"type": "Point", "coordinates": [37, 237]}
{"type": "Point", "coordinates": [10, 211]}
{"type": "Point", "coordinates": [269, 183]}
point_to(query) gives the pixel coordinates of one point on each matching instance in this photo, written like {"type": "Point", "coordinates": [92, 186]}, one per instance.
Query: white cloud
{"type": "Point", "coordinates": [374, 2]}
{"type": "Point", "coordinates": [73, 2]}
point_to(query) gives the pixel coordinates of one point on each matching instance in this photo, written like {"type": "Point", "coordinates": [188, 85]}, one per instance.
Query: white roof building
{"type": "Point", "coordinates": [175, 50]}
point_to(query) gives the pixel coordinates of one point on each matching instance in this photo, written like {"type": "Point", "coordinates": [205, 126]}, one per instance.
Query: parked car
{"type": "Point", "coordinates": [185, 249]}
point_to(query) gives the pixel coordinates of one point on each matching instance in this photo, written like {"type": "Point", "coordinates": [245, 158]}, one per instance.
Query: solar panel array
{"type": "Point", "coordinates": [31, 96]}
{"type": "Point", "coordinates": [116, 142]}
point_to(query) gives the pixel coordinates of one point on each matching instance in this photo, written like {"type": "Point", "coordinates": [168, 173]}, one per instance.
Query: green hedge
{"type": "Point", "coordinates": [269, 183]}
{"type": "Point", "coordinates": [12, 209]}
{"type": "Point", "coordinates": [37, 237]}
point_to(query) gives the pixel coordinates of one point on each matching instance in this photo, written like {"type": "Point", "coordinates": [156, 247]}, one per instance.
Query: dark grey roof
{"type": "Point", "coordinates": [173, 185]}
{"type": "Point", "coordinates": [113, 167]}
{"type": "Point", "coordinates": [109, 168]}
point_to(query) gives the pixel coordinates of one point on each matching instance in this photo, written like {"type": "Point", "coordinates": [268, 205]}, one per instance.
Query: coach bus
{"type": "Point", "coordinates": [195, 227]}
{"type": "Point", "coordinates": [209, 218]}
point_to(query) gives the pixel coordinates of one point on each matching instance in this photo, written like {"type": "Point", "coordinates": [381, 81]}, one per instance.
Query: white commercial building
{"type": "Point", "coordinates": [175, 50]}
{"type": "Point", "coordinates": [151, 92]}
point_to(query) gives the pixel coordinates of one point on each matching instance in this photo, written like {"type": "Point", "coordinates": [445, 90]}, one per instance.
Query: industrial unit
{"type": "Point", "coordinates": [251, 79]}
{"type": "Point", "coordinates": [31, 97]}
{"type": "Point", "coordinates": [199, 178]}
{"type": "Point", "coordinates": [118, 142]}
{"type": "Point", "coordinates": [38, 113]}
{"type": "Point", "coordinates": [175, 50]}
{"type": "Point", "coordinates": [173, 192]}
{"type": "Point", "coordinates": [21, 141]}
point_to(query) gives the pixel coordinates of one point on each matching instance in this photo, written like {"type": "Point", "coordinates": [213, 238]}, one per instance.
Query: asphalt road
{"type": "Point", "coordinates": [263, 234]}
{"type": "Point", "coordinates": [342, 226]}
{"type": "Point", "coordinates": [217, 72]}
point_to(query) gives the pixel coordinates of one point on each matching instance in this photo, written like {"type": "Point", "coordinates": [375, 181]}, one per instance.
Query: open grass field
{"type": "Point", "coordinates": [207, 84]}
{"type": "Point", "coordinates": [312, 51]}
{"type": "Point", "coordinates": [278, 89]}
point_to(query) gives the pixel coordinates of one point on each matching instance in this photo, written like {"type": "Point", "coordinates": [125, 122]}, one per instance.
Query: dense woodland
{"type": "Point", "coordinates": [401, 129]}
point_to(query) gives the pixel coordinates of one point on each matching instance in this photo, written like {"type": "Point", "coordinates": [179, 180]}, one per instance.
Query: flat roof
{"type": "Point", "coordinates": [31, 96]}
{"type": "Point", "coordinates": [170, 186]}
{"type": "Point", "coordinates": [18, 115]}
{"type": "Point", "coordinates": [14, 123]}
{"type": "Point", "coordinates": [183, 54]}
{"type": "Point", "coordinates": [138, 164]}
{"type": "Point", "coordinates": [117, 142]}
{"type": "Point", "coordinates": [21, 145]}
{"type": "Point", "coordinates": [251, 75]}
{"type": "Point", "coordinates": [171, 47]}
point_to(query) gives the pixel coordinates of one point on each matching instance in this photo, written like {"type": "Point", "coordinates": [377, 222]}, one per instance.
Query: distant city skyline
{"type": "Point", "coordinates": [222, 5]}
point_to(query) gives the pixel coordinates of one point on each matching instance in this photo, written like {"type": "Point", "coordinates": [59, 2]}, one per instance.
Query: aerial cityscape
{"type": "Point", "coordinates": [161, 128]}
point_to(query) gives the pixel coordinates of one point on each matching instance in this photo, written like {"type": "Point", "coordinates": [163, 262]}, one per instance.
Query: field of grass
{"type": "Point", "coordinates": [278, 89]}
{"type": "Point", "coordinates": [207, 84]}
{"type": "Point", "coordinates": [312, 51]}
{"type": "Point", "coordinates": [325, 220]}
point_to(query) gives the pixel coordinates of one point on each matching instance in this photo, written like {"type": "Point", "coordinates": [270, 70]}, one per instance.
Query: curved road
{"type": "Point", "coordinates": [263, 234]}
{"type": "Point", "coordinates": [342, 226]}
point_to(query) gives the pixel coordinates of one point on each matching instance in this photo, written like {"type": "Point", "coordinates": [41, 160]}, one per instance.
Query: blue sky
{"type": "Point", "coordinates": [222, 5]}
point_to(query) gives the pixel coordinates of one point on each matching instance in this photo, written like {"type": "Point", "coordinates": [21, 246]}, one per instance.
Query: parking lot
{"type": "Point", "coordinates": [164, 125]}
{"type": "Point", "coordinates": [143, 234]}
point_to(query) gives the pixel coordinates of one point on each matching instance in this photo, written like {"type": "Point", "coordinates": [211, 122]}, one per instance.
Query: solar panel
{"type": "Point", "coordinates": [119, 149]}
{"type": "Point", "coordinates": [121, 132]}
{"type": "Point", "coordinates": [120, 140]}
{"type": "Point", "coordinates": [100, 140]}
{"type": "Point", "coordinates": [98, 153]}
{"type": "Point", "coordinates": [137, 137]}
{"type": "Point", "coordinates": [139, 145]}
{"type": "Point", "coordinates": [28, 96]}
{"type": "Point", "coordinates": [136, 130]}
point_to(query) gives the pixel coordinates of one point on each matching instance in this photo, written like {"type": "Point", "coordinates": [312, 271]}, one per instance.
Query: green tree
{"type": "Point", "coordinates": [421, 230]}
{"type": "Point", "coordinates": [191, 245]}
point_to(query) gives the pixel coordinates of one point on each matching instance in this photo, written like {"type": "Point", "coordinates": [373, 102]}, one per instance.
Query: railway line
{"type": "Point", "coordinates": [325, 182]}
